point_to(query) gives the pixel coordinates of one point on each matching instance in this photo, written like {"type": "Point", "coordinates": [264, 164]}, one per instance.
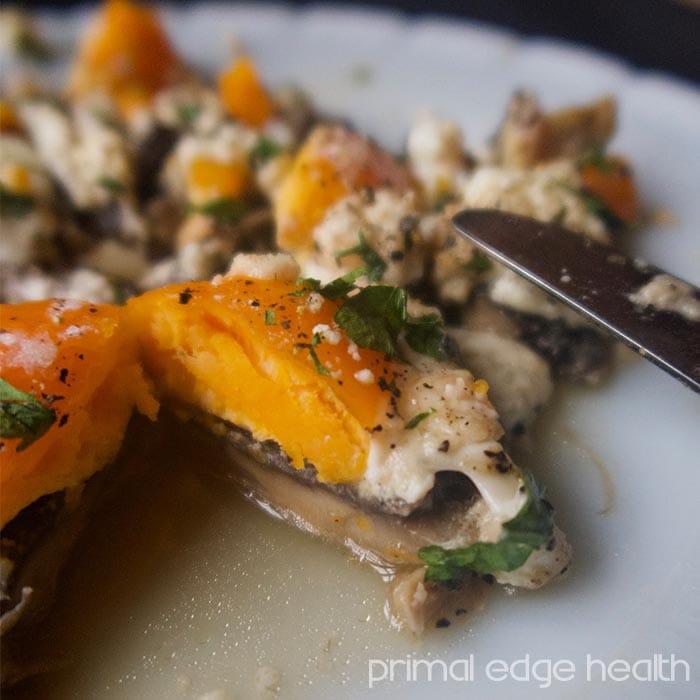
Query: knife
{"type": "Point", "coordinates": [594, 279]}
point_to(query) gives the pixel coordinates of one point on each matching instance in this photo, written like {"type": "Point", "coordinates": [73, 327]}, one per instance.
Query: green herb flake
{"type": "Point", "coordinates": [597, 158]}
{"type": "Point", "coordinates": [478, 263]}
{"type": "Point", "coordinates": [111, 184]}
{"type": "Point", "coordinates": [341, 286]}
{"type": "Point", "coordinates": [374, 262]}
{"type": "Point", "coordinates": [270, 318]}
{"type": "Point", "coordinates": [374, 317]}
{"type": "Point", "coordinates": [187, 113]}
{"type": "Point", "coordinates": [419, 419]}
{"type": "Point", "coordinates": [597, 207]}
{"type": "Point", "coordinates": [263, 150]}
{"type": "Point", "coordinates": [15, 205]}
{"type": "Point", "coordinates": [29, 46]}
{"type": "Point", "coordinates": [226, 210]}
{"type": "Point", "coordinates": [426, 335]}
{"type": "Point", "coordinates": [442, 201]}
{"type": "Point", "coordinates": [529, 530]}
{"type": "Point", "coordinates": [315, 340]}
{"type": "Point", "coordinates": [22, 416]}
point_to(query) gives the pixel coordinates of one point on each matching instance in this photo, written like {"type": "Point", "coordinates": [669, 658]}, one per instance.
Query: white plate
{"type": "Point", "coordinates": [200, 590]}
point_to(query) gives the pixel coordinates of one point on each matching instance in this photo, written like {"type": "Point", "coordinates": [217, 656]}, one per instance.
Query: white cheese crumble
{"type": "Point", "coordinates": [29, 352]}
{"type": "Point", "coordinates": [314, 302]}
{"type": "Point", "coordinates": [277, 266]}
{"type": "Point", "coordinates": [667, 293]}
{"type": "Point", "coordinates": [436, 153]}
{"type": "Point", "coordinates": [328, 334]}
{"type": "Point", "coordinates": [382, 221]}
{"type": "Point", "coordinates": [364, 376]}
{"type": "Point", "coordinates": [82, 150]}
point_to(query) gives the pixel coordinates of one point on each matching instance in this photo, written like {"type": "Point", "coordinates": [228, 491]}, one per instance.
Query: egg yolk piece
{"type": "Point", "coordinates": [82, 362]}
{"type": "Point", "coordinates": [266, 356]}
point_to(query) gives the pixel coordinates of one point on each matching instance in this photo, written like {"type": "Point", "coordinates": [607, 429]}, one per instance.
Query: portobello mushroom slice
{"type": "Point", "coordinates": [345, 404]}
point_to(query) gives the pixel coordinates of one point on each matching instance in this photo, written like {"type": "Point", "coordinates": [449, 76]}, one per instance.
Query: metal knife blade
{"type": "Point", "coordinates": [594, 279]}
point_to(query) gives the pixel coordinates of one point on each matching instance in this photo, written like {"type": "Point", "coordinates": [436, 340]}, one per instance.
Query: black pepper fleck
{"type": "Point", "coordinates": [444, 446]}
{"type": "Point", "coordinates": [442, 622]}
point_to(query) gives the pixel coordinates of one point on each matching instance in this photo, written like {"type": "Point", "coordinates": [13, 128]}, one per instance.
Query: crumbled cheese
{"type": "Point", "coordinates": [278, 266]}
{"type": "Point", "coordinates": [353, 351]}
{"type": "Point", "coordinates": [380, 221]}
{"type": "Point", "coordinates": [81, 149]}
{"type": "Point", "coordinates": [436, 153]}
{"type": "Point", "coordinates": [314, 302]}
{"type": "Point", "coordinates": [364, 376]}
{"type": "Point", "coordinates": [546, 193]}
{"type": "Point", "coordinates": [29, 352]}
{"type": "Point", "coordinates": [667, 293]}
{"type": "Point", "coordinates": [328, 334]}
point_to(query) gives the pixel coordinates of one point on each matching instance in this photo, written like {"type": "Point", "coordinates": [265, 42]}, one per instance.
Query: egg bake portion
{"type": "Point", "coordinates": [70, 379]}
{"type": "Point", "coordinates": [345, 410]}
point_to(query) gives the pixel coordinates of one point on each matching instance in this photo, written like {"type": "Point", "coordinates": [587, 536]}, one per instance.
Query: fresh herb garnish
{"type": "Point", "coordinates": [30, 46]}
{"type": "Point", "coordinates": [15, 205]}
{"type": "Point", "coordinates": [374, 317]}
{"type": "Point", "coordinates": [419, 419]}
{"type": "Point", "coordinates": [531, 528]}
{"type": "Point", "coordinates": [374, 262]}
{"type": "Point", "coordinates": [315, 340]}
{"type": "Point", "coordinates": [442, 200]}
{"type": "Point", "coordinates": [597, 207]}
{"type": "Point", "coordinates": [264, 149]}
{"type": "Point", "coordinates": [270, 318]}
{"type": "Point", "coordinates": [336, 289]}
{"type": "Point", "coordinates": [477, 263]}
{"type": "Point", "coordinates": [340, 287]}
{"type": "Point", "coordinates": [111, 184]}
{"type": "Point", "coordinates": [597, 158]}
{"type": "Point", "coordinates": [425, 335]}
{"type": "Point", "coordinates": [187, 113]}
{"type": "Point", "coordinates": [226, 210]}
{"type": "Point", "coordinates": [22, 416]}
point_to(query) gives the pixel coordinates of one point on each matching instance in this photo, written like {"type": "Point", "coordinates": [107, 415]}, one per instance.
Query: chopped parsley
{"type": "Point", "coordinates": [340, 287]}
{"type": "Point", "coordinates": [315, 340]}
{"type": "Point", "coordinates": [426, 336]}
{"type": "Point", "coordinates": [111, 184]}
{"type": "Point", "coordinates": [226, 210]}
{"type": "Point", "coordinates": [270, 318]}
{"type": "Point", "coordinates": [478, 262]}
{"type": "Point", "coordinates": [22, 416]}
{"type": "Point", "coordinates": [419, 419]}
{"type": "Point", "coordinates": [264, 149]}
{"type": "Point", "coordinates": [529, 530]}
{"type": "Point", "coordinates": [442, 200]}
{"type": "Point", "coordinates": [15, 205]}
{"type": "Point", "coordinates": [374, 317]}
{"type": "Point", "coordinates": [187, 113]}
{"type": "Point", "coordinates": [597, 158]}
{"type": "Point", "coordinates": [29, 46]}
{"type": "Point", "coordinates": [597, 207]}
{"type": "Point", "coordinates": [374, 262]}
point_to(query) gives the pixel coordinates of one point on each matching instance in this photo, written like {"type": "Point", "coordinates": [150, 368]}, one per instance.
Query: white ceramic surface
{"type": "Point", "coordinates": [213, 603]}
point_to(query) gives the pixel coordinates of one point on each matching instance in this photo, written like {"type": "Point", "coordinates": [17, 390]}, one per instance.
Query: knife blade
{"type": "Point", "coordinates": [594, 279]}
